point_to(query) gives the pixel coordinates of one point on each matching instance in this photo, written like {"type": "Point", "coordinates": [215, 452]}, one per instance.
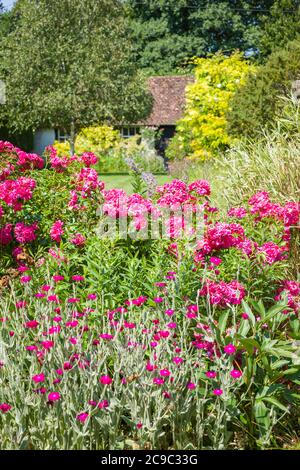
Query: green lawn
{"type": "Point", "coordinates": [124, 181]}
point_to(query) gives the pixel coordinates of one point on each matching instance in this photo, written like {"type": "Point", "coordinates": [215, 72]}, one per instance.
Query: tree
{"type": "Point", "coordinates": [69, 65]}
{"type": "Point", "coordinates": [281, 26]}
{"type": "Point", "coordinates": [255, 105]}
{"type": "Point", "coordinates": [167, 33]}
{"type": "Point", "coordinates": [202, 132]}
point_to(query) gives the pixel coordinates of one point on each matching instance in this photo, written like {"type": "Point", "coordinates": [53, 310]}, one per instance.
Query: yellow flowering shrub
{"type": "Point", "coordinates": [96, 139]}
{"type": "Point", "coordinates": [202, 132]}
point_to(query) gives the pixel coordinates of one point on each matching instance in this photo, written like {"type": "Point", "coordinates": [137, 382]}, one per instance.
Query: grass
{"type": "Point", "coordinates": [123, 181]}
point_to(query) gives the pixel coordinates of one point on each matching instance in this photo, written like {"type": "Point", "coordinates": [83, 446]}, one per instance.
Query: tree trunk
{"type": "Point", "coordinates": [72, 139]}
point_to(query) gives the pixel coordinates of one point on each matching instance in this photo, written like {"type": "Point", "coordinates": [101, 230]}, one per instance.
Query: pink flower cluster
{"type": "Point", "coordinates": [261, 206]}
{"type": "Point", "coordinates": [57, 231]}
{"type": "Point", "coordinates": [292, 290]}
{"type": "Point", "coordinates": [177, 193]}
{"type": "Point", "coordinates": [14, 192]}
{"type": "Point", "coordinates": [222, 293]}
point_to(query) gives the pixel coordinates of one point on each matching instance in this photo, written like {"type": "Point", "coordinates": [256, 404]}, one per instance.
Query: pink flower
{"type": "Point", "coordinates": [73, 300]}
{"type": "Point", "coordinates": [25, 279]}
{"type": "Point", "coordinates": [230, 349]}
{"type": "Point", "coordinates": [169, 312]}
{"type": "Point", "coordinates": [82, 417]}
{"type": "Point", "coordinates": [38, 378]}
{"type": "Point", "coordinates": [177, 360]}
{"type": "Point", "coordinates": [191, 386]}
{"type": "Point", "coordinates": [236, 374]}
{"type": "Point", "coordinates": [211, 374]}
{"type": "Point", "coordinates": [25, 233]}
{"type": "Point", "coordinates": [172, 325]}
{"type": "Point", "coordinates": [47, 345]}
{"type": "Point", "coordinates": [92, 296]}
{"type": "Point", "coordinates": [5, 407]}
{"type": "Point", "coordinates": [139, 425]}
{"type": "Point", "coordinates": [105, 380]}
{"type": "Point", "coordinates": [54, 396]}
{"type": "Point", "coordinates": [165, 373]}
{"type": "Point", "coordinates": [158, 381]}
{"type": "Point", "coordinates": [106, 336]}
{"type": "Point", "coordinates": [218, 391]}
{"type": "Point", "coordinates": [32, 324]}
{"type": "Point", "coordinates": [103, 404]}
{"type": "Point", "coordinates": [56, 231]}
{"type": "Point", "coordinates": [58, 278]}
{"type": "Point", "coordinates": [79, 240]}
{"type": "Point", "coordinates": [77, 278]}
{"type": "Point", "coordinates": [150, 367]}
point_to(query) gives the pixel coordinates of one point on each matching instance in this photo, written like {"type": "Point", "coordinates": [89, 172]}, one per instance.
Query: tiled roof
{"type": "Point", "coordinates": [169, 99]}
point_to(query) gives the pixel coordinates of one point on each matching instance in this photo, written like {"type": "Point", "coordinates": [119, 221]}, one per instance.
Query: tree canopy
{"type": "Point", "coordinates": [167, 33]}
{"type": "Point", "coordinates": [256, 104]}
{"type": "Point", "coordinates": [69, 65]}
{"type": "Point", "coordinates": [281, 26]}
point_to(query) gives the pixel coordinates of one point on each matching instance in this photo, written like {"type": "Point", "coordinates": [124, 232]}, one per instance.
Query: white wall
{"type": "Point", "coordinates": [42, 139]}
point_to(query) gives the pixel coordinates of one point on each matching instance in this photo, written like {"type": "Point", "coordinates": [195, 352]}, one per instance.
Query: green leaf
{"type": "Point", "coordinates": [276, 403]}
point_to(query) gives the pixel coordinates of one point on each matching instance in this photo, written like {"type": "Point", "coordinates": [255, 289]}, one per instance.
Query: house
{"type": "Point", "coordinates": [168, 104]}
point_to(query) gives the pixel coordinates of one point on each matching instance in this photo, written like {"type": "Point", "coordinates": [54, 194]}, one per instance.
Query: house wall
{"type": "Point", "coordinates": [43, 138]}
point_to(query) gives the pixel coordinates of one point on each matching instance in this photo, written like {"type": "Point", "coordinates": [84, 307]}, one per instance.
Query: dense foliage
{"type": "Point", "coordinates": [256, 105]}
{"type": "Point", "coordinates": [116, 152]}
{"type": "Point", "coordinates": [167, 34]}
{"type": "Point", "coordinates": [279, 27]}
{"type": "Point", "coordinates": [69, 65]}
{"type": "Point", "coordinates": [185, 340]}
{"type": "Point", "coordinates": [202, 132]}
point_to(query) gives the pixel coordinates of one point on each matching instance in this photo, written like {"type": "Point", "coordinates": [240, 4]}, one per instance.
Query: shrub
{"type": "Point", "coordinates": [257, 103]}
{"type": "Point", "coordinates": [202, 132]}
{"type": "Point", "coordinates": [107, 144]}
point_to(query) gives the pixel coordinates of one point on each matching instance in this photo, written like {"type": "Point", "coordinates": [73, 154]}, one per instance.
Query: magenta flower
{"type": "Point", "coordinates": [79, 240]}
{"type": "Point", "coordinates": [73, 300]}
{"type": "Point", "coordinates": [57, 231]}
{"type": "Point", "coordinates": [218, 391]}
{"type": "Point", "coordinates": [177, 360]}
{"type": "Point", "coordinates": [105, 380]}
{"type": "Point", "coordinates": [32, 324]}
{"type": "Point", "coordinates": [54, 396]}
{"type": "Point", "coordinates": [230, 349]}
{"type": "Point", "coordinates": [211, 374]}
{"type": "Point", "coordinates": [172, 325]}
{"type": "Point", "coordinates": [82, 417]}
{"type": "Point", "coordinates": [92, 296]}
{"type": "Point", "coordinates": [236, 374]}
{"type": "Point", "coordinates": [165, 373]}
{"type": "Point", "coordinates": [169, 312]}
{"type": "Point", "coordinates": [47, 345]}
{"type": "Point", "coordinates": [5, 407]}
{"type": "Point", "coordinates": [158, 381]}
{"type": "Point", "coordinates": [38, 378]}
{"type": "Point", "coordinates": [58, 278]}
{"type": "Point", "coordinates": [25, 279]}
{"type": "Point", "coordinates": [77, 278]}
{"type": "Point", "coordinates": [191, 386]}
{"type": "Point", "coordinates": [106, 336]}
{"type": "Point", "coordinates": [103, 404]}
{"type": "Point", "coordinates": [139, 425]}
